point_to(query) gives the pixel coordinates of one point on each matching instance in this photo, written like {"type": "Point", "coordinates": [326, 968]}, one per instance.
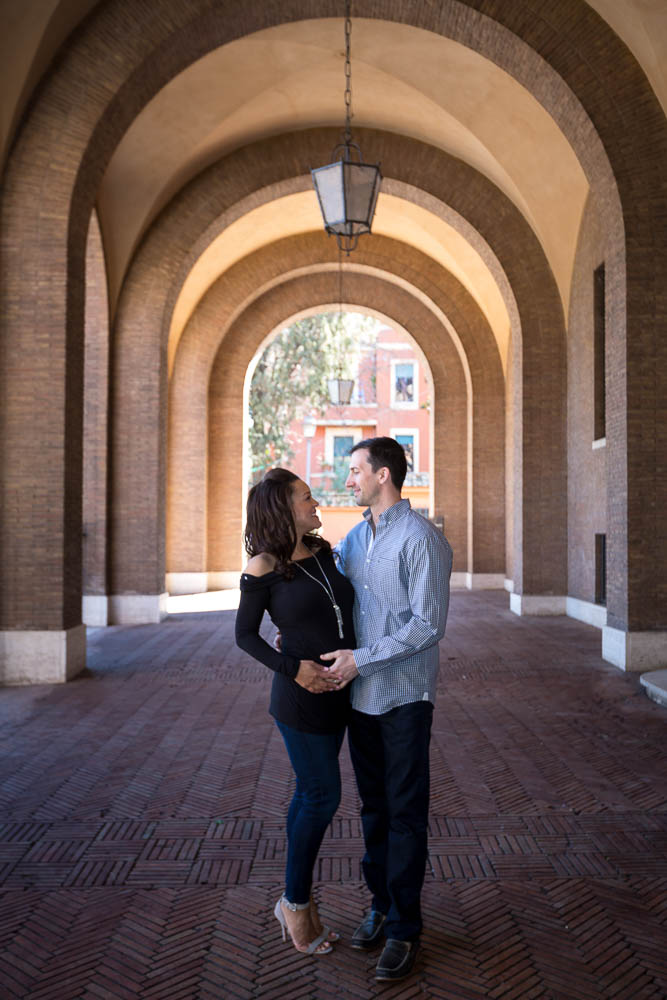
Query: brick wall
{"type": "Point", "coordinates": [587, 481]}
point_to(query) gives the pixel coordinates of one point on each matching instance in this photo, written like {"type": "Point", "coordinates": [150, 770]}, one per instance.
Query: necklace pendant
{"type": "Point", "coordinates": [339, 619]}
{"type": "Point", "coordinates": [328, 589]}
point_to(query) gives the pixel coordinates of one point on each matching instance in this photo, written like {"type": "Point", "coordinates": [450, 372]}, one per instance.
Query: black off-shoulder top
{"type": "Point", "coordinates": [301, 609]}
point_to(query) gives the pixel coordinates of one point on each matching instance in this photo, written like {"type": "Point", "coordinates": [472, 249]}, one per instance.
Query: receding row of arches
{"type": "Point", "coordinates": [126, 345]}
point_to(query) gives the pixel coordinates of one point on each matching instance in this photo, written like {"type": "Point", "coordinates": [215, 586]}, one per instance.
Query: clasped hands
{"type": "Point", "coordinates": [318, 679]}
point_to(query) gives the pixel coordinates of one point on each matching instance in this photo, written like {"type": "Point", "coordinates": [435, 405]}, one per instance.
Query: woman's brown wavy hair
{"type": "Point", "coordinates": [270, 522]}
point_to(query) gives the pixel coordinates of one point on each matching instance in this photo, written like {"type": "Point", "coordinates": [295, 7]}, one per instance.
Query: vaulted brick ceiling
{"type": "Point", "coordinates": [290, 77]}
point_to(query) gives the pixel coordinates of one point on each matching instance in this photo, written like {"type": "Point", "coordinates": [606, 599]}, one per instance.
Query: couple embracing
{"type": "Point", "coordinates": [359, 651]}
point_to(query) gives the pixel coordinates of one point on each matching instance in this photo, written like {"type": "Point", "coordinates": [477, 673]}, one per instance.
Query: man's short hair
{"type": "Point", "coordinates": [385, 452]}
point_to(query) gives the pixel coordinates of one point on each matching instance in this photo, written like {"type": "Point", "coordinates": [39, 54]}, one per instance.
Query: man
{"type": "Point", "coordinates": [400, 565]}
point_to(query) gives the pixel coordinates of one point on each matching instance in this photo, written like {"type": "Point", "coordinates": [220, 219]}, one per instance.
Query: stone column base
{"type": "Point", "coordinates": [187, 583]}
{"type": "Point", "coordinates": [224, 580]}
{"type": "Point", "coordinates": [485, 581]}
{"type": "Point", "coordinates": [634, 651]}
{"type": "Point", "coordinates": [537, 604]}
{"type": "Point", "coordinates": [137, 609]}
{"type": "Point", "coordinates": [44, 657]}
{"type": "Point", "coordinates": [95, 610]}
{"type": "Point", "coordinates": [585, 611]}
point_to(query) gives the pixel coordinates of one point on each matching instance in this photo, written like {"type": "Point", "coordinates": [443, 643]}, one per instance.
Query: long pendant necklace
{"type": "Point", "coordinates": [326, 586]}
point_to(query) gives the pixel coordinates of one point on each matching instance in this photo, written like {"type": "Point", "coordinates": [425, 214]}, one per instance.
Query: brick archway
{"type": "Point", "coordinates": [481, 546]}
{"type": "Point", "coordinates": [143, 319]}
{"type": "Point", "coordinates": [225, 398]}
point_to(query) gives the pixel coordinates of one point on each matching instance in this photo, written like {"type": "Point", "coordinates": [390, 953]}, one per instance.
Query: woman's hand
{"type": "Point", "coordinates": [315, 678]}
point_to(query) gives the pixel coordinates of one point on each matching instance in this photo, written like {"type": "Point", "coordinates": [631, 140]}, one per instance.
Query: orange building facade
{"type": "Point", "coordinates": [392, 396]}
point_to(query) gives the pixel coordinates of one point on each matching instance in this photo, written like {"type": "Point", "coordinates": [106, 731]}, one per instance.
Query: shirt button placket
{"type": "Point", "coordinates": [366, 576]}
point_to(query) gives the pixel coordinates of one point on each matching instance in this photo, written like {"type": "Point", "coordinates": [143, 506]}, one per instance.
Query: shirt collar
{"type": "Point", "coordinates": [391, 514]}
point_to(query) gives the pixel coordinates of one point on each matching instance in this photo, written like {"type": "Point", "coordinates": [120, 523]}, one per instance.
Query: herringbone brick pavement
{"type": "Point", "coordinates": [142, 826]}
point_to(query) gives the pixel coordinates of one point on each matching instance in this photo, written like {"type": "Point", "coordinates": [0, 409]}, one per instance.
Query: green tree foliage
{"type": "Point", "coordinates": [291, 379]}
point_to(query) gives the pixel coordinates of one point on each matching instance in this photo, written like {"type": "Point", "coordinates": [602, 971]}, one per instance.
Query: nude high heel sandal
{"type": "Point", "coordinates": [320, 946]}
{"type": "Point", "coordinates": [331, 935]}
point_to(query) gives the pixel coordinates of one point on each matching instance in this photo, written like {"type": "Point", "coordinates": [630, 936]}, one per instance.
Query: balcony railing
{"type": "Point", "coordinates": [335, 498]}
{"type": "Point", "coordinates": [418, 479]}
{"type": "Point", "coordinates": [344, 498]}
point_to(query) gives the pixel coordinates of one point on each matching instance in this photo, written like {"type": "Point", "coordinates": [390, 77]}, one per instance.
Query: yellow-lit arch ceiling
{"type": "Point", "coordinates": [405, 80]}
{"type": "Point", "coordinates": [298, 213]}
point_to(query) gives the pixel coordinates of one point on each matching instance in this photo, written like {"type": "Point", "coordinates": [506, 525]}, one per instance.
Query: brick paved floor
{"type": "Point", "coordinates": [142, 816]}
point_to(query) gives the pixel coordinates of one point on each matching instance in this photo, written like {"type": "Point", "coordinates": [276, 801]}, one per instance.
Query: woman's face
{"type": "Point", "coordinates": [305, 508]}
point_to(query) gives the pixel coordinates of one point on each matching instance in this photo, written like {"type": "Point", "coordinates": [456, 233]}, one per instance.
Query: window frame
{"type": "Point", "coordinates": [395, 432]}
{"type": "Point", "coordinates": [394, 403]}
{"type": "Point", "coordinates": [330, 433]}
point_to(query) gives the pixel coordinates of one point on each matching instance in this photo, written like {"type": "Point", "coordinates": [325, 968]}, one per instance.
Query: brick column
{"type": "Point", "coordinates": [96, 403]}
{"type": "Point", "coordinates": [635, 637]}
{"type": "Point", "coordinates": [41, 406]}
{"type": "Point", "coordinates": [187, 461]}
{"type": "Point", "coordinates": [540, 464]}
{"type": "Point", "coordinates": [138, 451]}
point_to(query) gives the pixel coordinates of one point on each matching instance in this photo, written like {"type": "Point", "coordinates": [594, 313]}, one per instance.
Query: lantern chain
{"type": "Point", "coordinates": [348, 75]}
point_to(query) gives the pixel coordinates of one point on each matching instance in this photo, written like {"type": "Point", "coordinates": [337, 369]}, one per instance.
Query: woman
{"type": "Point", "coordinates": [292, 575]}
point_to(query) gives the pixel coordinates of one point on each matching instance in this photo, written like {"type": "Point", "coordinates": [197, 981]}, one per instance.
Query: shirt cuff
{"type": "Point", "coordinates": [362, 658]}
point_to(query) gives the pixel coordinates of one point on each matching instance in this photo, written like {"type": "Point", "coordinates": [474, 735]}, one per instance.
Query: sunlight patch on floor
{"type": "Point", "coordinates": [213, 600]}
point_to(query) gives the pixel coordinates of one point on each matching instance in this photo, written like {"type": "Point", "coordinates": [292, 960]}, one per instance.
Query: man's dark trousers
{"type": "Point", "coordinates": [390, 757]}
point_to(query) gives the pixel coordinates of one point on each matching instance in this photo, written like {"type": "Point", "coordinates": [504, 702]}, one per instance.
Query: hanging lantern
{"type": "Point", "coordinates": [347, 192]}
{"type": "Point", "coordinates": [347, 189]}
{"type": "Point", "coordinates": [340, 391]}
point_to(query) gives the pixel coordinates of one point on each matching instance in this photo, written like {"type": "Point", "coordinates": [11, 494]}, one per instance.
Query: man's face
{"type": "Point", "coordinates": [362, 480]}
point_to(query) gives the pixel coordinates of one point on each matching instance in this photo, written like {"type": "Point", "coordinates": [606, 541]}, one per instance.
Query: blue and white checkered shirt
{"type": "Point", "coordinates": [401, 582]}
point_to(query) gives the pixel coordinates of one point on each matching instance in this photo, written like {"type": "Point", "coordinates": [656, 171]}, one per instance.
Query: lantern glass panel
{"type": "Point", "coordinates": [329, 186]}
{"type": "Point", "coordinates": [347, 192]}
{"type": "Point", "coordinates": [360, 193]}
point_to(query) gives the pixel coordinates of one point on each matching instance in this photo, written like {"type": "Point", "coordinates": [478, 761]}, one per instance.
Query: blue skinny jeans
{"type": "Point", "coordinates": [314, 758]}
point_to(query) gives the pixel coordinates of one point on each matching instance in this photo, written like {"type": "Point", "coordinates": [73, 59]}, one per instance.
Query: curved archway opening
{"type": "Point", "coordinates": [392, 395]}
{"type": "Point", "coordinates": [463, 356]}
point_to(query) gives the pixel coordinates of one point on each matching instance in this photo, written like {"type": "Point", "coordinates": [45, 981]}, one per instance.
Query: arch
{"type": "Point", "coordinates": [189, 220]}
{"type": "Point", "coordinates": [237, 348]}
{"type": "Point", "coordinates": [456, 316]}
{"type": "Point", "coordinates": [414, 218]}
